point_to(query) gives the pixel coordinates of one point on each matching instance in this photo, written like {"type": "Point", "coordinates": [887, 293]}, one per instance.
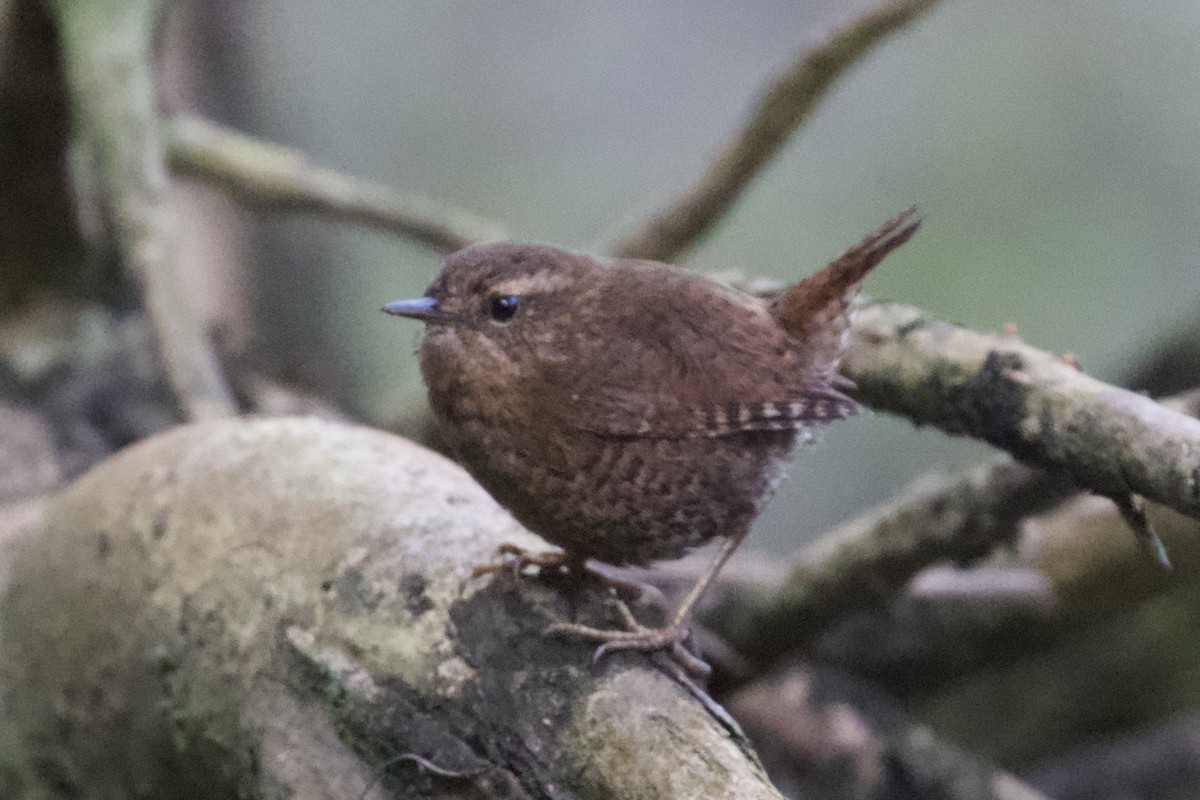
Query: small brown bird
{"type": "Point", "coordinates": [628, 411]}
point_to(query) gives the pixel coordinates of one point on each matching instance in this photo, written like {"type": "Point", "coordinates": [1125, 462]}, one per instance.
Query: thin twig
{"type": "Point", "coordinates": [791, 97]}
{"type": "Point", "coordinates": [278, 178]}
{"type": "Point", "coordinates": [107, 52]}
{"type": "Point", "coordinates": [1039, 407]}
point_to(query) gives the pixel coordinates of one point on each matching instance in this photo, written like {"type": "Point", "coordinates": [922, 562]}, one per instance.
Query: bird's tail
{"type": "Point", "coordinates": [814, 310]}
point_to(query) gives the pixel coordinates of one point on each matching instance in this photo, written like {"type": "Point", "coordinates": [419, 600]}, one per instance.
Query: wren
{"type": "Point", "coordinates": [628, 411]}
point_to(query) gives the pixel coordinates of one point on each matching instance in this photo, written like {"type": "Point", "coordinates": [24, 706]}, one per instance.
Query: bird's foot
{"type": "Point", "coordinates": [668, 639]}
{"type": "Point", "coordinates": [518, 559]}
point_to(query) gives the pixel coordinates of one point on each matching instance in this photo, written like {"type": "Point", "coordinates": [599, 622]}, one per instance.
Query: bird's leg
{"type": "Point", "coordinates": [669, 637]}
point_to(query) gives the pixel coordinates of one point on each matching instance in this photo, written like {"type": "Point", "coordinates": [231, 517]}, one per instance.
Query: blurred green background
{"type": "Point", "coordinates": [1053, 150]}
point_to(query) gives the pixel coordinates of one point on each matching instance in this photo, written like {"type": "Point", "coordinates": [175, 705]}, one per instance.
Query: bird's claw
{"type": "Point", "coordinates": [668, 639]}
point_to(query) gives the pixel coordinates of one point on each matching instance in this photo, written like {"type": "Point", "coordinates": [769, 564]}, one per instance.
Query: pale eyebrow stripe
{"type": "Point", "coordinates": [527, 284]}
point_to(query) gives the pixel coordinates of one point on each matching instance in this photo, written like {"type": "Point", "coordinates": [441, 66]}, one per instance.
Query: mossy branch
{"type": "Point", "coordinates": [1041, 408]}
{"type": "Point", "coordinates": [107, 51]}
{"type": "Point", "coordinates": [867, 562]}
{"type": "Point", "coordinates": [286, 607]}
{"type": "Point", "coordinates": [1078, 432]}
{"type": "Point", "coordinates": [275, 178]}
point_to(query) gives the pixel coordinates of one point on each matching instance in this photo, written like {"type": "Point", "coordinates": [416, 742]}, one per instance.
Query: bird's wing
{"type": "Point", "coordinates": [683, 357]}
{"type": "Point", "coordinates": [692, 361]}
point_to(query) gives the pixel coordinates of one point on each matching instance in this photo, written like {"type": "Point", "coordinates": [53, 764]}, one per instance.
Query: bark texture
{"type": "Point", "coordinates": [285, 608]}
{"type": "Point", "coordinates": [1041, 408]}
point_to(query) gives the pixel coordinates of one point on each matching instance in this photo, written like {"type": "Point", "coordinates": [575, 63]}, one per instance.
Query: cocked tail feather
{"type": "Point", "coordinates": [815, 310]}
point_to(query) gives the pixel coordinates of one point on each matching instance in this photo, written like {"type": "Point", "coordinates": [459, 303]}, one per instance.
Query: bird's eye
{"type": "Point", "coordinates": [504, 307]}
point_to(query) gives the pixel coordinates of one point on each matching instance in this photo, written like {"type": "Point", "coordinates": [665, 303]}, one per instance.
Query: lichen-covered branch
{"type": "Point", "coordinates": [788, 101]}
{"type": "Point", "coordinates": [1092, 571]}
{"type": "Point", "coordinates": [286, 607]}
{"type": "Point", "coordinates": [868, 561]}
{"type": "Point", "coordinates": [1082, 551]}
{"type": "Point", "coordinates": [1039, 407]}
{"type": "Point", "coordinates": [107, 51]}
{"type": "Point", "coordinates": [278, 178]}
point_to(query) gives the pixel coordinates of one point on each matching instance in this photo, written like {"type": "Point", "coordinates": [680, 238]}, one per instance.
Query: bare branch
{"type": "Point", "coordinates": [868, 561]}
{"type": "Point", "coordinates": [790, 98]}
{"type": "Point", "coordinates": [277, 178]}
{"type": "Point", "coordinates": [1092, 568]}
{"type": "Point", "coordinates": [1039, 407]}
{"type": "Point", "coordinates": [1081, 552]}
{"type": "Point", "coordinates": [106, 48]}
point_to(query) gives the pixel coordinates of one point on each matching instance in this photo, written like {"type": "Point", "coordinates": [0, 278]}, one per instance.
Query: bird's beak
{"type": "Point", "coordinates": [422, 308]}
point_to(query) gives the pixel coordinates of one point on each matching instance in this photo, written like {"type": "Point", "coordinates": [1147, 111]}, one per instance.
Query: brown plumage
{"type": "Point", "coordinates": [627, 411]}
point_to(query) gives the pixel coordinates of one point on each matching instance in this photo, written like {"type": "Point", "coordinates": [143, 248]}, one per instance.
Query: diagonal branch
{"type": "Point", "coordinates": [1093, 573]}
{"type": "Point", "coordinates": [791, 97]}
{"type": "Point", "coordinates": [867, 562]}
{"type": "Point", "coordinates": [278, 178]}
{"type": "Point", "coordinates": [1039, 407]}
{"type": "Point", "coordinates": [991, 387]}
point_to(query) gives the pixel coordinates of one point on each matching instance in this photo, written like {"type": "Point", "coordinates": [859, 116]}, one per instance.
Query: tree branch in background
{"type": "Point", "coordinates": [868, 561]}
{"type": "Point", "coordinates": [791, 97]}
{"type": "Point", "coordinates": [1092, 572]}
{"type": "Point", "coordinates": [1039, 407]}
{"type": "Point", "coordinates": [276, 178]}
{"type": "Point", "coordinates": [1081, 550]}
{"type": "Point", "coordinates": [828, 735]}
{"type": "Point", "coordinates": [106, 48]}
